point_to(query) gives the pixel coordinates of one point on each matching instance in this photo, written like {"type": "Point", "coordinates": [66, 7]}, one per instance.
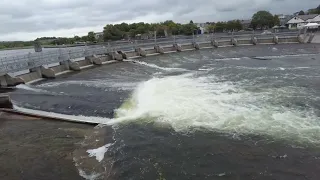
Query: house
{"type": "Point", "coordinates": [299, 21]}
{"type": "Point", "coordinates": [98, 35]}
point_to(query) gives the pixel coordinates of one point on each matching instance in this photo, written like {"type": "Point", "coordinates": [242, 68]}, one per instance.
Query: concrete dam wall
{"type": "Point", "coordinates": [76, 61]}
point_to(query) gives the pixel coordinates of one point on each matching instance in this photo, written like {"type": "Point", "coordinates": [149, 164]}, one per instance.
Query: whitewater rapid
{"type": "Point", "coordinates": [189, 102]}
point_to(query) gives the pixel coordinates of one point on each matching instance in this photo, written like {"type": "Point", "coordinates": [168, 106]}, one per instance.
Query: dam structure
{"type": "Point", "coordinates": [191, 107]}
{"type": "Point", "coordinates": [32, 67]}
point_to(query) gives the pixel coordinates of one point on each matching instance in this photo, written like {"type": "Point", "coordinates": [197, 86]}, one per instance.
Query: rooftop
{"type": "Point", "coordinates": [308, 16]}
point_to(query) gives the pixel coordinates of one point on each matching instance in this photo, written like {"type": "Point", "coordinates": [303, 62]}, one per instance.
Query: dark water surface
{"type": "Point", "coordinates": [229, 113]}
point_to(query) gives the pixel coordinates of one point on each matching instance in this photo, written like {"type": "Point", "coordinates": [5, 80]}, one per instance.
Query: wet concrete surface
{"type": "Point", "coordinates": [38, 149]}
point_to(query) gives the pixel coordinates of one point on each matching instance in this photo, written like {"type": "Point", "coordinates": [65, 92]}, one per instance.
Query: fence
{"type": "Point", "coordinates": [17, 63]}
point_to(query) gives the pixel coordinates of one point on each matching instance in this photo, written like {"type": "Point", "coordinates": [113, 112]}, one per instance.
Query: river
{"type": "Point", "coordinates": [228, 113]}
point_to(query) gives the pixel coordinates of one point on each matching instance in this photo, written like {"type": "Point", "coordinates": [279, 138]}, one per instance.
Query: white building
{"type": "Point", "coordinates": [299, 21]}
{"type": "Point", "coordinates": [98, 35]}
{"type": "Point", "coordinates": [284, 18]}
{"type": "Point", "coordinates": [202, 27]}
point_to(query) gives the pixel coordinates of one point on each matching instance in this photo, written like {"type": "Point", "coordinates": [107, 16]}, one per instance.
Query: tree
{"type": "Point", "coordinates": [91, 36]}
{"type": "Point", "coordinates": [77, 38]}
{"type": "Point", "coordinates": [220, 26]}
{"type": "Point", "coordinates": [84, 38]}
{"type": "Point", "coordinates": [262, 19]}
{"type": "Point", "coordinates": [301, 13]}
{"type": "Point", "coordinates": [191, 22]}
{"type": "Point", "coordinates": [314, 11]}
{"type": "Point", "coordinates": [233, 25]}
{"type": "Point", "coordinates": [111, 32]}
{"type": "Point", "coordinates": [276, 20]}
{"type": "Point", "coordinates": [189, 29]}
{"type": "Point", "coordinates": [210, 28]}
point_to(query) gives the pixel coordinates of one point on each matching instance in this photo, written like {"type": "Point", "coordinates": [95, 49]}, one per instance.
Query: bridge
{"type": "Point", "coordinates": [32, 67]}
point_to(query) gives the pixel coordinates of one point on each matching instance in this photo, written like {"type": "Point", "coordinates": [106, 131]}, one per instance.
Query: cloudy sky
{"type": "Point", "coordinates": [29, 19]}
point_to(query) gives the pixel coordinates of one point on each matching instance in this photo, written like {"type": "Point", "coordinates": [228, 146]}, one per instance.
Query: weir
{"type": "Point", "coordinates": [36, 66]}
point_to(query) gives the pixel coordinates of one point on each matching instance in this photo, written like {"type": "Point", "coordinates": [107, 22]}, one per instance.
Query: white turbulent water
{"type": "Point", "coordinates": [187, 102]}
{"type": "Point", "coordinates": [92, 83]}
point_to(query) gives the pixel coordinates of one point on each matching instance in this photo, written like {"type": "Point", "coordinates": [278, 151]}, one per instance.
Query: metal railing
{"type": "Point", "coordinates": [23, 62]}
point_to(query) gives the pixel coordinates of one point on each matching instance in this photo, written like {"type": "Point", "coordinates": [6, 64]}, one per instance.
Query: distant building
{"type": "Point", "coordinates": [98, 35]}
{"type": "Point", "coordinates": [245, 23]}
{"type": "Point", "coordinates": [299, 21]}
{"type": "Point", "coordinates": [202, 27]}
{"type": "Point", "coordinates": [284, 19]}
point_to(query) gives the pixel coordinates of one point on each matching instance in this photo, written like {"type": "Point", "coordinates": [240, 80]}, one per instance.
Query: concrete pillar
{"type": "Point", "coordinates": [177, 47]}
{"type": "Point", "coordinates": [105, 58]}
{"type": "Point", "coordinates": [97, 60]}
{"type": "Point", "coordinates": [124, 55]}
{"type": "Point", "coordinates": [275, 39]}
{"type": "Point", "coordinates": [94, 60]}
{"type": "Point", "coordinates": [301, 38]}
{"type": "Point", "coordinates": [37, 70]}
{"type": "Point", "coordinates": [3, 81]}
{"type": "Point", "coordinates": [141, 52]}
{"type": "Point", "coordinates": [65, 64]}
{"type": "Point", "coordinates": [47, 72]}
{"type": "Point", "coordinates": [311, 38]}
{"type": "Point", "coordinates": [215, 43]}
{"type": "Point", "coordinates": [116, 56]}
{"type": "Point", "coordinates": [234, 42]}
{"type": "Point", "coordinates": [5, 102]}
{"type": "Point", "coordinates": [13, 81]}
{"type": "Point", "coordinates": [254, 40]}
{"type": "Point", "coordinates": [90, 58]}
{"type": "Point", "coordinates": [196, 46]}
{"type": "Point", "coordinates": [74, 66]}
{"type": "Point", "coordinates": [159, 49]}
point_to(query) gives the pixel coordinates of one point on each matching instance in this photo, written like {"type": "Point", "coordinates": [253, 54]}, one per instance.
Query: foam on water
{"type": "Point", "coordinates": [28, 88]}
{"type": "Point", "coordinates": [159, 67]}
{"type": "Point", "coordinates": [93, 83]}
{"type": "Point", "coordinates": [74, 118]}
{"type": "Point", "coordinates": [99, 152]}
{"type": "Point", "coordinates": [186, 103]}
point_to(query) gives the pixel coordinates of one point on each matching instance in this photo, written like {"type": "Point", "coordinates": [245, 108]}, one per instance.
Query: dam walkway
{"type": "Point", "coordinates": [32, 67]}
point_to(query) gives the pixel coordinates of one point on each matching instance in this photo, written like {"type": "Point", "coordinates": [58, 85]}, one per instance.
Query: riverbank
{"type": "Point", "coordinates": [45, 147]}
{"type": "Point", "coordinates": [16, 48]}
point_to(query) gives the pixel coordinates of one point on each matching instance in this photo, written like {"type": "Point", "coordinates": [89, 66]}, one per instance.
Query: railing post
{"type": "Point", "coordinates": [2, 64]}
{"type": "Point", "coordinates": [60, 55]}
{"type": "Point", "coordinates": [69, 53]}
{"type": "Point", "coordinates": [135, 44]}
{"type": "Point", "coordinates": [155, 38]}
{"type": "Point", "coordinates": [193, 41]}
{"type": "Point", "coordinates": [7, 69]}
{"type": "Point", "coordinates": [108, 48]}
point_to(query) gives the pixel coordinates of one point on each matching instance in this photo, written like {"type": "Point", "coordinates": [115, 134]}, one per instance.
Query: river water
{"type": "Point", "coordinates": [228, 113]}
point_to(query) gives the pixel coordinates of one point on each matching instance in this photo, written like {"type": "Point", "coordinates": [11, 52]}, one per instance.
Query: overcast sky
{"type": "Point", "coordinates": [29, 19]}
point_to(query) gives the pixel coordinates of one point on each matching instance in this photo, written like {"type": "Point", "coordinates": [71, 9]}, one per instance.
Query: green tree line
{"type": "Point", "coordinates": [310, 11]}
{"type": "Point", "coordinates": [15, 44]}
{"type": "Point", "coordinates": [124, 30]}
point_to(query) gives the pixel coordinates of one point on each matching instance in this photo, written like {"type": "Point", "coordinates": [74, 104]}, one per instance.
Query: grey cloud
{"type": "Point", "coordinates": [25, 16]}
